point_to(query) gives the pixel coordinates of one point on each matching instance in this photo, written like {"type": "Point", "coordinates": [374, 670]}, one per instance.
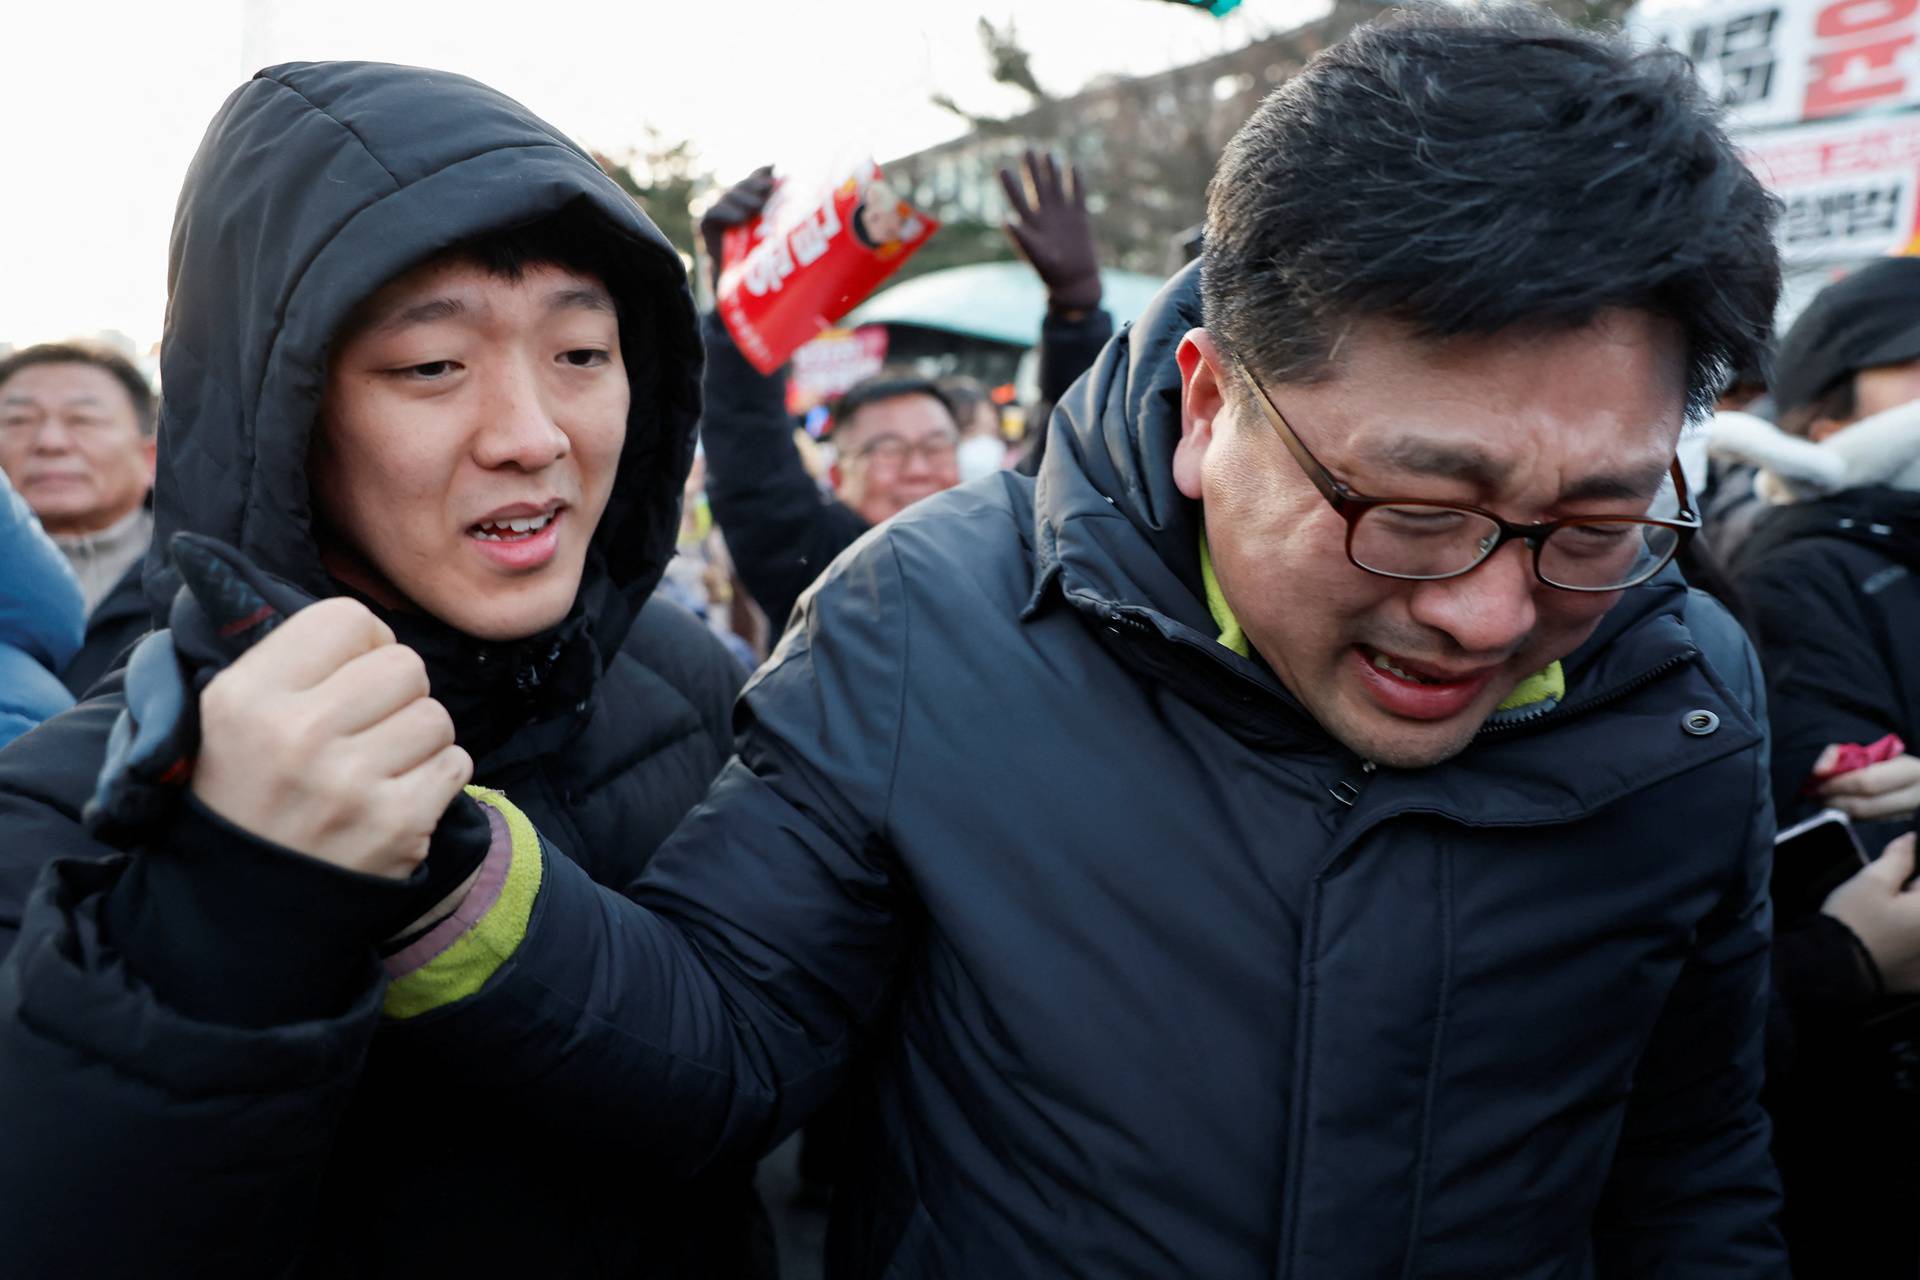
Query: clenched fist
{"type": "Point", "coordinates": [323, 738]}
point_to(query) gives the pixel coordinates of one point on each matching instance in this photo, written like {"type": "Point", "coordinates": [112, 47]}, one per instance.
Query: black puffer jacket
{"type": "Point", "coordinates": [135, 1140]}
{"type": "Point", "coordinates": [1131, 984]}
{"type": "Point", "coordinates": [1832, 588]}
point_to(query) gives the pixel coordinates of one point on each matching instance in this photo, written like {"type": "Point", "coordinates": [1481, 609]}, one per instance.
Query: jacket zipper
{"type": "Point", "coordinates": [1614, 694]}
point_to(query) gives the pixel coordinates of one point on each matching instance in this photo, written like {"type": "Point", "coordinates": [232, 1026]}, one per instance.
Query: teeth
{"type": "Point", "coordinates": [498, 530]}
{"type": "Point", "coordinates": [1385, 663]}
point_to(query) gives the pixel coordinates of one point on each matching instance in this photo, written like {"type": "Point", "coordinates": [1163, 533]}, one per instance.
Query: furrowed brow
{"type": "Point", "coordinates": [1445, 461]}
{"type": "Point", "coordinates": [1616, 486]}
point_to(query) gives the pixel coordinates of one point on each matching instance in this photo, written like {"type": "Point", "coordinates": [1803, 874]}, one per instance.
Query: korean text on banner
{"type": "Point", "coordinates": [810, 258]}
{"type": "Point", "coordinates": [1776, 62]}
{"type": "Point", "coordinates": [1850, 187]}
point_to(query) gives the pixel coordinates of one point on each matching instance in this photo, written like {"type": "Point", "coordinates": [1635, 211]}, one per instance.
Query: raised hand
{"type": "Point", "coordinates": [1048, 223]}
{"type": "Point", "coordinates": [740, 205]}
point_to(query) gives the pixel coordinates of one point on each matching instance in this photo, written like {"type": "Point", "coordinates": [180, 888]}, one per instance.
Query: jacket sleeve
{"type": "Point", "coordinates": [136, 1138]}
{"type": "Point", "coordinates": [707, 1012]}
{"type": "Point", "coordinates": [1828, 678]}
{"type": "Point", "coordinates": [181, 1027]}
{"type": "Point", "coordinates": [781, 532]}
{"type": "Point", "coordinates": [1068, 349]}
{"type": "Point", "coordinates": [1693, 1192]}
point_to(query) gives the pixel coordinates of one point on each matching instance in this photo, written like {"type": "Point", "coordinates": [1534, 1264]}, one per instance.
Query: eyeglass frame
{"type": "Point", "coordinates": [1351, 505]}
{"type": "Point", "coordinates": [948, 445]}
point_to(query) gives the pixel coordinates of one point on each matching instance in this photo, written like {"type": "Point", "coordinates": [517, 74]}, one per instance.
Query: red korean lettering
{"type": "Point", "coordinates": [1853, 78]}
{"type": "Point", "coordinates": [1857, 17]}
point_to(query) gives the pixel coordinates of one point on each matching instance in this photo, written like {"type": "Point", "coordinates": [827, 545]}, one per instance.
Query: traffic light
{"type": "Point", "coordinates": [1218, 8]}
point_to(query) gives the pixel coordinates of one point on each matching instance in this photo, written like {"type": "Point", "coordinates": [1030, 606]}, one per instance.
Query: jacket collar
{"type": "Point", "coordinates": [1116, 541]}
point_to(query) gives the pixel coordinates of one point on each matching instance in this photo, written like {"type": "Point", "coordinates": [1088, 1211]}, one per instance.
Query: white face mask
{"type": "Point", "coordinates": [980, 456]}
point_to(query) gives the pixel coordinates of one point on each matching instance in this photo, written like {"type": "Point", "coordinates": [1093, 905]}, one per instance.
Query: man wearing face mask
{"type": "Point", "coordinates": [1375, 875]}
{"type": "Point", "coordinates": [425, 362]}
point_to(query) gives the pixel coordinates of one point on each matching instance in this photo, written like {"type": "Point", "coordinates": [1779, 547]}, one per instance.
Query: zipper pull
{"type": "Point", "coordinates": [1347, 790]}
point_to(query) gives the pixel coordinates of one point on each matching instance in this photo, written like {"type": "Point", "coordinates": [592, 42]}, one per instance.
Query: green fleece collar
{"type": "Point", "coordinates": [1548, 686]}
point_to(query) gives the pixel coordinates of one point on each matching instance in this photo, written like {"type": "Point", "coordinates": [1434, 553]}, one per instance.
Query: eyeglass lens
{"type": "Point", "coordinates": [1416, 541]}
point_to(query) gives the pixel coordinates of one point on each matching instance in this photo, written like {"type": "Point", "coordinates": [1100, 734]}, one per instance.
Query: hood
{"type": "Point", "coordinates": [1881, 451]}
{"type": "Point", "coordinates": [1105, 492]}
{"type": "Point", "coordinates": [315, 185]}
{"type": "Point", "coordinates": [1116, 539]}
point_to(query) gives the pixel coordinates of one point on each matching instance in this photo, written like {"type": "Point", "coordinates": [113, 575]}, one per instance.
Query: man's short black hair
{"type": "Point", "coordinates": [103, 358]}
{"type": "Point", "coordinates": [887, 385]}
{"type": "Point", "coordinates": [1470, 170]}
{"type": "Point", "coordinates": [575, 240]}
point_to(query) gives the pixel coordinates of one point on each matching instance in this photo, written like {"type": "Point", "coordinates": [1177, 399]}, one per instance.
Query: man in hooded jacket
{"type": "Point", "coordinates": [318, 191]}
{"type": "Point", "coordinates": [1346, 905]}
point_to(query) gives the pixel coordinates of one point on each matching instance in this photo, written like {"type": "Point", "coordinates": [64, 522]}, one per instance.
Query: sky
{"type": "Point", "coordinates": [102, 104]}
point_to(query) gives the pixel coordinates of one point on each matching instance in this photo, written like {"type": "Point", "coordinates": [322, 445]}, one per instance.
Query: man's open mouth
{"type": "Point", "coordinates": [1385, 663]}
{"type": "Point", "coordinates": [511, 530]}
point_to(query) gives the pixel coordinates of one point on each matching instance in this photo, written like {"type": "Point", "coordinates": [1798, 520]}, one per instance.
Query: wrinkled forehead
{"type": "Point", "coordinates": [1601, 404]}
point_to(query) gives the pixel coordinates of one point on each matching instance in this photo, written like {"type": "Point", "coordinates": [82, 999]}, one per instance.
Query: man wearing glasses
{"type": "Point", "coordinates": [895, 442]}
{"type": "Point", "coordinates": [1307, 831]}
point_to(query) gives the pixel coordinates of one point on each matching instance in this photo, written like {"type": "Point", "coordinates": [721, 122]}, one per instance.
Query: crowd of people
{"type": "Point", "coordinates": [476, 777]}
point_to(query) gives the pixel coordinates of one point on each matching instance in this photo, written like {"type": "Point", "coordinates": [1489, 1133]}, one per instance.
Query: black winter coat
{"type": "Point", "coordinates": [119, 620]}
{"type": "Point", "coordinates": [1137, 971]}
{"type": "Point", "coordinates": [137, 1140]}
{"type": "Point", "coordinates": [1832, 589]}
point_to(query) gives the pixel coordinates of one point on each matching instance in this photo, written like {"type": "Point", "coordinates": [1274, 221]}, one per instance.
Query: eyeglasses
{"type": "Point", "coordinates": [1421, 541]}
{"type": "Point", "coordinates": [892, 451]}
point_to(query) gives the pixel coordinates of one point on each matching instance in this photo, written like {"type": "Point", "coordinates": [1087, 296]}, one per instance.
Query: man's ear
{"type": "Point", "coordinates": [1202, 397]}
{"type": "Point", "coordinates": [150, 457]}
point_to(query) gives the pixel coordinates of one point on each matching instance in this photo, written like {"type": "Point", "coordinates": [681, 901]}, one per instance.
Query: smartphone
{"type": "Point", "coordinates": [1811, 859]}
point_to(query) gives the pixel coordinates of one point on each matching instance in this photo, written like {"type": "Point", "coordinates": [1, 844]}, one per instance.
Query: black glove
{"type": "Point", "coordinates": [226, 607]}
{"type": "Point", "coordinates": [1049, 225]}
{"type": "Point", "coordinates": [740, 205]}
{"type": "Point", "coordinates": [243, 885]}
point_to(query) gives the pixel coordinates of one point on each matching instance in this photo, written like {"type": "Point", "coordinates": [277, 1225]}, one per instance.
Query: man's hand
{"type": "Point", "coordinates": [1885, 915]}
{"type": "Point", "coordinates": [1049, 225]}
{"type": "Point", "coordinates": [740, 205]}
{"type": "Point", "coordinates": [1890, 789]}
{"type": "Point", "coordinates": [323, 739]}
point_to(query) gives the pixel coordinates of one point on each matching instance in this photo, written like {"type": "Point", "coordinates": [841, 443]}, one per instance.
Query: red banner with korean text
{"type": "Point", "coordinates": [810, 258]}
